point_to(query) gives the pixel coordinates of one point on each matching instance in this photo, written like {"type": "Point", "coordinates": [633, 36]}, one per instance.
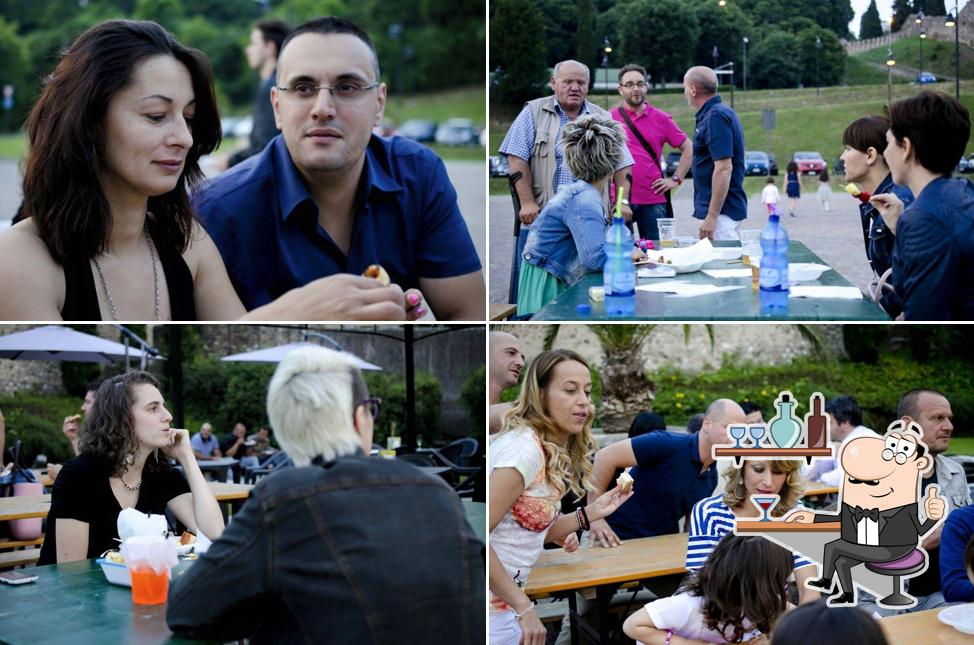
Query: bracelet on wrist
{"type": "Point", "coordinates": [519, 615]}
{"type": "Point", "coordinates": [677, 180]}
{"type": "Point", "coordinates": [669, 636]}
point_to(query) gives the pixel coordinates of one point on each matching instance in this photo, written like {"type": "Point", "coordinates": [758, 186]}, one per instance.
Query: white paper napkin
{"type": "Point", "coordinates": [684, 289]}
{"type": "Point", "coordinates": [132, 523]}
{"type": "Point", "coordinates": [814, 291]}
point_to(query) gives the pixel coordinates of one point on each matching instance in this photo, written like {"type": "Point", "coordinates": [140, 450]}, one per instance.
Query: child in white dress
{"type": "Point", "coordinates": [770, 194]}
{"type": "Point", "coordinates": [824, 190]}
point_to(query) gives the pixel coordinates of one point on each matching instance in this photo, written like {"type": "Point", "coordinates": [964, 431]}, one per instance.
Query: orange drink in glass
{"type": "Point", "coordinates": [149, 587]}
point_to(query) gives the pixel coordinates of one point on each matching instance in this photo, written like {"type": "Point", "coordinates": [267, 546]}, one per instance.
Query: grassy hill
{"type": "Point", "coordinates": [938, 57]}
{"type": "Point", "coordinates": [804, 121]}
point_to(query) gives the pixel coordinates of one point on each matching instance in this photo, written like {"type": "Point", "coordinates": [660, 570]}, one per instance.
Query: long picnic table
{"type": "Point", "coordinates": [921, 627]}
{"type": "Point", "coordinates": [737, 304]}
{"type": "Point", "coordinates": [604, 569]}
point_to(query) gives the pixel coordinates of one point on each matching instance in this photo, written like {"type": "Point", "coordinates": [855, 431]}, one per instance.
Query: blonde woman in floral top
{"type": "Point", "coordinates": [542, 451]}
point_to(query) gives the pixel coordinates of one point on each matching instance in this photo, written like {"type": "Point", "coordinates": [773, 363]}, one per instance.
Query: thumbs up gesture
{"type": "Point", "coordinates": [933, 504]}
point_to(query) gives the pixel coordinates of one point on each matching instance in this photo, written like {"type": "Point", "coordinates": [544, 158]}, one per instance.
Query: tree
{"type": "Point", "coordinates": [560, 26]}
{"type": "Point", "coordinates": [517, 50]}
{"type": "Point", "coordinates": [832, 59]}
{"type": "Point", "coordinates": [663, 52]}
{"type": "Point", "coordinates": [14, 54]}
{"type": "Point", "coordinates": [165, 12]}
{"type": "Point", "coordinates": [901, 10]}
{"type": "Point", "coordinates": [584, 38]}
{"type": "Point", "coordinates": [724, 27]}
{"type": "Point", "coordinates": [774, 63]}
{"type": "Point", "coordinates": [870, 26]}
{"type": "Point", "coordinates": [935, 8]}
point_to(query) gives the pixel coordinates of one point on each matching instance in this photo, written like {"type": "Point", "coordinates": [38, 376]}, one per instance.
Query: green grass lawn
{"type": "Point", "coordinates": [961, 446]}
{"type": "Point", "coordinates": [12, 146]}
{"type": "Point", "coordinates": [938, 57]}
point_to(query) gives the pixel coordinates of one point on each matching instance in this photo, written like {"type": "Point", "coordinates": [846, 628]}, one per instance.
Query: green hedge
{"type": "Point", "coordinates": [36, 420]}
{"type": "Point", "coordinates": [877, 387]}
{"type": "Point", "coordinates": [473, 397]}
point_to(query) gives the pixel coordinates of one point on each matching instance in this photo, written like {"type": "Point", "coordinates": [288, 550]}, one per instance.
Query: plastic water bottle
{"type": "Point", "coordinates": [773, 280]}
{"type": "Point", "coordinates": [619, 273]}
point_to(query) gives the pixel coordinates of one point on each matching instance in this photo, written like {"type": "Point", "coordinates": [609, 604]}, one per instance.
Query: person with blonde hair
{"type": "Point", "coordinates": [713, 518]}
{"type": "Point", "coordinates": [541, 453]}
{"type": "Point", "coordinates": [568, 239]}
{"type": "Point", "coordinates": [330, 549]}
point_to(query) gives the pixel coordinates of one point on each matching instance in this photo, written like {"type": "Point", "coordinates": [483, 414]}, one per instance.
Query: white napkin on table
{"type": "Point", "coordinates": [684, 289]}
{"type": "Point", "coordinates": [814, 291]}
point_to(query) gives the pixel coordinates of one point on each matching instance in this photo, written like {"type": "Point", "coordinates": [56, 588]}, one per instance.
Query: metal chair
{"type": "Point", "coordinates": [462, 478]}
{"type": "Point", "coordinates": [418, 459]}
{"type": "Point", "coordinates": [275, 462]}
{"type": "Point", "coordinates": [461, 451]}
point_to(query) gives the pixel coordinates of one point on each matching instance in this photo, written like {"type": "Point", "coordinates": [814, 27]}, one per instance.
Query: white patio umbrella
{"type": "Point", "coordinates": [58, 343]}
{"type": "Point", "coordinates": [277, 353]}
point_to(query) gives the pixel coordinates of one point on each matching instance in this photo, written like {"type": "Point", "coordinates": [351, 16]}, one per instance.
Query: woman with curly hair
{"type": "Point", "coordinates": [713, 518]}
{"type": "Point", "coordinates": [123, 462]}
{"type": "Point", "coordinates": [542, 451]}
{"type": "Point", "coordinates": [737, 596]}
{"type": "Point", "coordinates": [568, 239]}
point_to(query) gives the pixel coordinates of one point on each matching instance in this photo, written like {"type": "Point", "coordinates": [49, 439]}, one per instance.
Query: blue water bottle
{"type": "Point", "coordinates": [619, 273]}
{"type": "Point", "coordinates": [773, 278]}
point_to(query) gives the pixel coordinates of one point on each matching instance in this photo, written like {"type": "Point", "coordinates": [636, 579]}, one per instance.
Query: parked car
{"type": "Point", "coordinates": [838, 168]}
{"type": "Point", "coordinates": [965, 166]}
{"type": "Point", "coordinates": [774, 165]}
{"type": "Point", "coordinates": [970, 165]}
{"type": "Point", "coordinates": [671, 161]}
{"type": "Point", "coordinates": [809, 163]}
{"type": "Point", "coordinates": [756, 163]}
{"type": "Point", "coordinates": [925, 78]}
{"type": "Point", "coordinates": [499, 166]}
{"type": "Point", "coordinates": [417, 129]}
{"type": "Point", "coordinates": [456, 132]}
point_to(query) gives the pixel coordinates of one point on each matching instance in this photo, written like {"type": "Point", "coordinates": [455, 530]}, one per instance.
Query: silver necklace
{"type": "Point", "coordinates": [131, 488]}
{"type": "Point", "coordinates": [155, 288]}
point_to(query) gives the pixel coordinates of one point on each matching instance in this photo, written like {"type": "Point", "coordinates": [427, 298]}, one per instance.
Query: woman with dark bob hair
{"type": "Point", "coordinates": [125, 447]}
{"type": "Point", "coordinates": [115, 141]}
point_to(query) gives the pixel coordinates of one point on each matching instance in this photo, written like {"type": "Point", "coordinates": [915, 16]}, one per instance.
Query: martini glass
{"type": "Point", "coordinates": [737, 433]}
{"type": "Point", "coordinates": [757, 433]}
{"type": "Point", "coordinates": [765, 503]}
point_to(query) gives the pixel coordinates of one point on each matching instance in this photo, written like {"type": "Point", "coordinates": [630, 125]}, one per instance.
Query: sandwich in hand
{"type": "Point", "coordinates": [624, 482]}
{"type": "Point", "coordinates": [377, 272]}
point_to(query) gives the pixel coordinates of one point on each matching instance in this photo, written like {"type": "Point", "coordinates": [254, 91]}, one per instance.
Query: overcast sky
{"type": "Point", "coordinates": [885, 8]}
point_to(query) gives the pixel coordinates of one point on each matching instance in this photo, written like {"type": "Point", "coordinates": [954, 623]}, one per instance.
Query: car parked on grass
{"type": "Point", "coordinates": [499, 166]}
{"type": "Point", "coordinates": [965, 166]}
{"type": "Point", "coordinates": [671, 161]}
{"type": "Point", "coordinates": [925, 78]}
{"type": "Point", "coordinates": [756, 163]}
{"type": "Point", "coordinates": [456, 132]}
{"type": "Point", "coordinates": [417, 129]}
{"type": "Point", "coordinates": [774, 164]}
{"type": "Point", "coordinates": [809, 163]}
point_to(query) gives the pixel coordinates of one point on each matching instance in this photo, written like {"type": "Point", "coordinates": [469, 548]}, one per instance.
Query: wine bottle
{"type": "Point", "coordinates": [785, 429]}
{"type": "Point", "coordinates": [816, 423]}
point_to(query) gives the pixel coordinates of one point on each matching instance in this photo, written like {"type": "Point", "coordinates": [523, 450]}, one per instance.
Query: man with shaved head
{"type": "Point", "coordinates": [506, 361]}
{"type": "Point", "coordinates": [535, 135]}
{"type": "Point", "coordinates": [718, 158]}
{"type": "Point", "coordinates": [671, 472]}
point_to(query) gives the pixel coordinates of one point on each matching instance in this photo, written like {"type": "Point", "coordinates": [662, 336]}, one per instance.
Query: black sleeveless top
{"type": "Point", "coordinates": [81, 296]}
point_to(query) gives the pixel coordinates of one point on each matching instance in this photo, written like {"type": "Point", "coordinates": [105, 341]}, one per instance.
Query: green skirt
{"type": "Point", "coordinates": [536, 288]}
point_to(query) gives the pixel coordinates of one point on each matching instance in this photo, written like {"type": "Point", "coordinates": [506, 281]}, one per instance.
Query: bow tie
{"type": "Point", "coordinates": [859, 512]}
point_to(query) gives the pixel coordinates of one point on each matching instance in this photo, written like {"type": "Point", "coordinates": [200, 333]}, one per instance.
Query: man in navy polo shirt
{"type": "Point", "coordinates": [718, 158]}
{"type": "Point", "coordinates": [673, 471]}
{"type": "Point", "coordinates": [326, 197]}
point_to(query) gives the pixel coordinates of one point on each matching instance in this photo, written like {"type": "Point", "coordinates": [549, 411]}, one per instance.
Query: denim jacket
{"type": "Point", "coordinates": [568, 238]}
{"type": "Point", "coordinates": [357, 550]}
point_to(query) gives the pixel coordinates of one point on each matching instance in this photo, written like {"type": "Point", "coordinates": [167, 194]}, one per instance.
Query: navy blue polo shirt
{"type": "Point", "coordinates": [261, 216]}
{"type": "Point", "coordinates": [718, 135]}
{"type": "Point", "coordinates": [933, 257]}
{"type": "Point", "coordinates": [667, 482]}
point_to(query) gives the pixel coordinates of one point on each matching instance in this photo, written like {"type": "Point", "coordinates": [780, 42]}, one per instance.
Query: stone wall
{"type": "Point", "coordinates": [753, 343]}
{"type": "Point", "coordinates": [934, 26]}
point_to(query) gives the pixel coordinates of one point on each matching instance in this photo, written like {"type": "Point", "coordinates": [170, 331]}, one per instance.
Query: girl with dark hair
{"type": "Point", "coordinates": [115, 141]}
{"type": "Point", "coordinates": [864, 142]}
{"type": "Point", "coordinates": [793, 186]}
{"type": "Point", "coordinates": [736, 596]}
{"type": "Point", "coordinates": [125, 447]}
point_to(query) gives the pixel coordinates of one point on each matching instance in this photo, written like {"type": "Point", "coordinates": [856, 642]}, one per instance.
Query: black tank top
{"type": "Point", "coordinates": [81, 296]}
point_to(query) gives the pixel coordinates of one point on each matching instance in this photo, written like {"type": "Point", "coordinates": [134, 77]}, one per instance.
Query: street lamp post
{"type": "Point", "coordinates": [746, 41]}
{"type": "Point", "coordinates": [953, 20]}
{"type": "Point", "coordinates": [606, 50]}
{"type": "Point", "coordinates": [716, 54]}
{"type": "Point", "coordinates": [923, 36]}
{"type": "Point", "coordinates": [818, 53]}
{"type": "Point", "coordinates": [890, 61]}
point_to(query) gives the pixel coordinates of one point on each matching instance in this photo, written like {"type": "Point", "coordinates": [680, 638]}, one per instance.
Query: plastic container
{"type": "Point", "coordinates": [115, 572]}
{"type": "Point", "coordinates": [619, 273]}
{"type": "Point", "coordinates": [773, 279]}
{"type": "Point", "coordinates": [29, 529]}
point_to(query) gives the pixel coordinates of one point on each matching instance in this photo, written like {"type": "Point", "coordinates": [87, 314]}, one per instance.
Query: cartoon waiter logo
{"type": "Point", "coordinates": [879, 514]}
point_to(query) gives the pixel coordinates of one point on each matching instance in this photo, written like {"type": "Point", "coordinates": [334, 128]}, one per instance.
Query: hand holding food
{"type": "Point", "coordinates": [376, 271]}
{"type": "Point", "coordinates": [624, 481]}
{"type": "Point", "coordinates": [853, 190]}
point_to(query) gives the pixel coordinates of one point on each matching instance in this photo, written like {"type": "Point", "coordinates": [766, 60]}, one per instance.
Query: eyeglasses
{"type": "Point", "coordinates": [638, 84]}
{"type": "Point", "coordinates": [347, 92]}
{"type": "Point", "coordinates": [374, 404]}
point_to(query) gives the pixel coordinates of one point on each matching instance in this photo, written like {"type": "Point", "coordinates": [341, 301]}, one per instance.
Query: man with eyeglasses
{"type": "Point", "coordinates": [647, 125]}
{"type": "Point", "coordinates": [533, 149]}
{"type": "Point", "coordinates": [327, 198]}
{"type": "Point", "coordinates": [342, 547]}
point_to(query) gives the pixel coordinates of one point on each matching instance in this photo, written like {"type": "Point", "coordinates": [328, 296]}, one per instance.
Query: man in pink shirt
{"type": "Point", "coordinates": [649, 186]}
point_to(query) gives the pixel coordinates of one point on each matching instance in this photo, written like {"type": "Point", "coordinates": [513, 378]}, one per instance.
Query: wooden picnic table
{"type": "Point", "coordinates": [817, 489]}
{"type": "Point", "coordinates": [604, 569]}
{"type": "Point", "coordinates": [19, 508]}
{"type": "Point", "coordinates": [737, 304]}
{"type": "Point", "coordinates": [921, 627]}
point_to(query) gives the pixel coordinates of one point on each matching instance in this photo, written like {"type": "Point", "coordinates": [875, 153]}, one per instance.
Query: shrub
{"type": "Point", "coordinates": [473, 397]}
{"type": "Point", "coordinates": [36, 420]}
{"type": "Point", "coordinates": [391, 388]}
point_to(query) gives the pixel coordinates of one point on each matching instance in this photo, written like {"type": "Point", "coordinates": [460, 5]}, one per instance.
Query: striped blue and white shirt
{"type": "Point", "coordinates": [711, 520]}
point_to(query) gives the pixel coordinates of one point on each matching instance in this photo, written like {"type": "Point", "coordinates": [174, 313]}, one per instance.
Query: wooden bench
{"type": "Point", "coordinates": [17, 544]}
{"type": "Point", "coordinates": [502, 311]}
{"type": "Point", "coordinates": [19, 558]}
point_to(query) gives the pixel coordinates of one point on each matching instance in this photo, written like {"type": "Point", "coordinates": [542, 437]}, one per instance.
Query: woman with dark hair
{"type": "Point", "coordinates": [115, 141]}
{"type": "Point", "coordinates": [125, 447]}
{"type": "Point", "coordinates": [855, 626]}
{"type": "Point", "coordinates": [933, 259]}
{"type": "Point", "coordinates": [864, 142]}
{"type": "Point", "coordinates": [793, 186]}
{"type": "Point", "coordinates": [737, 596]}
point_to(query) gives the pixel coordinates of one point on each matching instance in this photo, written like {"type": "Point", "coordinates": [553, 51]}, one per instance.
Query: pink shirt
{"type": "Point", "coordinates": [657, 127]}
